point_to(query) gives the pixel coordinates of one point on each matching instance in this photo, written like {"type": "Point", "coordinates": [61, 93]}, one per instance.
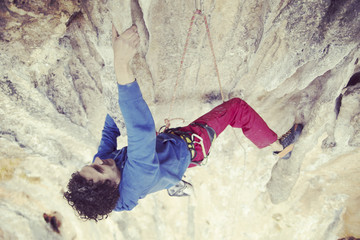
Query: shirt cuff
{"type": "Point", "coordinates": [130, 91]}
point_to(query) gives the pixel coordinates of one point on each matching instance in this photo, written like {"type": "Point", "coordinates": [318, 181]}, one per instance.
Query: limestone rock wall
{"type": "Point", "coordinates": [290, 60]}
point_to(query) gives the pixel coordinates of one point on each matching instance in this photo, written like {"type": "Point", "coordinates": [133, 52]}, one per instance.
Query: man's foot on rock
{"type": "Point", "coordinates": [290, 137]}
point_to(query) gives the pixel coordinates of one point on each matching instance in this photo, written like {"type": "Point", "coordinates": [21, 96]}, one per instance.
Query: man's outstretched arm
{"type": "Point", "coordinates": [142, 165]}
{"type": "Point", "coordinates": [124, 47]}
{"type": "Point", "coordinates": [138, 119]}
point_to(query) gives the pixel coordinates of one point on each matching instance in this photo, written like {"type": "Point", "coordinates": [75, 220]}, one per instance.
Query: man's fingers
{"type": "Point", "coordinates": [136, 43]}
{"type": "Point", "coordinates": [128, 33]}
{"type": "Point", "coordinates": [134, 38]}
{"type": "Point", "coordinates": [128, 39]}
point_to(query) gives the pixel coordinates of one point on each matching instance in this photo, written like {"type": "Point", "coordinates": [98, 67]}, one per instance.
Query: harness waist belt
{"type": "Point", "coordinates": [188, 137]}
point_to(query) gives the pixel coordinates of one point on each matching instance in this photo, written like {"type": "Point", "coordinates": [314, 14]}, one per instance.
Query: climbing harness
{"type": "Point", "coordinates": [192, 138]}
{"type": "Point", "coordinates": [186, 136]}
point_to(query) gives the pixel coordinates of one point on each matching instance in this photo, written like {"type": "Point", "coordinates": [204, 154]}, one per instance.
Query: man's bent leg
{"type": "Point", "coordinates": [237, 113]}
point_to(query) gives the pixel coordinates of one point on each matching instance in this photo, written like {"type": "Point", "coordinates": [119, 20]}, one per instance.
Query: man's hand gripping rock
{"type": "Point", "coordinates": [125, 47]}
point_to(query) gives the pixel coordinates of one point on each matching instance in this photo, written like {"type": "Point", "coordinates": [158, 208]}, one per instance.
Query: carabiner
{"type": "Point", "coordinates": [201, 142]}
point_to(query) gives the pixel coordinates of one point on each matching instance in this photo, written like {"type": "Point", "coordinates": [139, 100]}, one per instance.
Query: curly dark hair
{"type": "Point", "coordinates": [91, 200]}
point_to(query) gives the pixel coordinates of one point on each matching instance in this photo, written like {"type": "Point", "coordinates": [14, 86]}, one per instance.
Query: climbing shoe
{"type": "Point", "coordinates": [289, 138]}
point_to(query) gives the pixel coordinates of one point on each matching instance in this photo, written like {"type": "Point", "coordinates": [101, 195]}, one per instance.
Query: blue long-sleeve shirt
{"type": "Point", "coordinates": [149, 163]}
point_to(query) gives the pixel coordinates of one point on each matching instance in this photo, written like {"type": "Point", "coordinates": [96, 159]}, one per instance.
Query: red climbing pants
{"type": "Point", "coordinates": [236, 113]}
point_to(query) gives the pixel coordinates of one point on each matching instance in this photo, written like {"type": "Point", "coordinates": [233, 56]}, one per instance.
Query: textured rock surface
{"type": "Point", "coordinates": [290, 60]}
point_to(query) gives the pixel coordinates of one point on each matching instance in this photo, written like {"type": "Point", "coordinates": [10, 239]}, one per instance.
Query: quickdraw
{"type": "Point", "coordinates": [198, 11]}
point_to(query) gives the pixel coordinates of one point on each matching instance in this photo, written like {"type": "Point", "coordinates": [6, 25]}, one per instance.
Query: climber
{"type": "Point", "coordinates": [117, 179]}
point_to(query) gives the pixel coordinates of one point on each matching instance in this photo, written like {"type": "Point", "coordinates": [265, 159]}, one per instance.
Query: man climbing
{"type": "Point", "coordinates": [117, 179]}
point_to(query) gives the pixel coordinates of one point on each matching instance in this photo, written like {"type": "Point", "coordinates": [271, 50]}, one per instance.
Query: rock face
{"type": "Point", "coordinates": [292, 61]}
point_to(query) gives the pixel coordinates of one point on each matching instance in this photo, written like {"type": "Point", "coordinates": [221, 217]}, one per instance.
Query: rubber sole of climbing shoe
{"type": "Point", "coordinates": [288, 141]}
